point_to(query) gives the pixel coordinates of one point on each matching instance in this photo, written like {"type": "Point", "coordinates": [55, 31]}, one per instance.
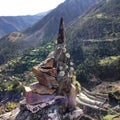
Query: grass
{"type": "Point", "coordinates": [101, 40]}
{"type": "Point", "coordinates": [112, 117]}
{"type": "Point", "coordinates": [109, 60]}
{"type": "Point", "coordinates": [109, 117]}
{"type": "Point", "coordinates": [8, 107]}
{"type": "Point", "coordinates": [100, 15]}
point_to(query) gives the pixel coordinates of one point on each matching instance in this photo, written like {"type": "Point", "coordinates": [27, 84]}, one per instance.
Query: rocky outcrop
{"type": "Point", "coordinates": [56, 77]}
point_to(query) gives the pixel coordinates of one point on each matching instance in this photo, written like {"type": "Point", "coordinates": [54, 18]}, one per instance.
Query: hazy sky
{"type": "Point", "coordinates": [26, 7]}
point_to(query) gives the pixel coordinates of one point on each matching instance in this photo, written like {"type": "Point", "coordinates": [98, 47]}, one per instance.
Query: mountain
{"type": "Point", "coordinates": [101, 21]}
{"type": "Point", "coordinates": [94, 40]}
{"type": "Point", "coordinates": [45, 29]}
{"type": "Point", "coordinates": [10, 24]}
{"type": "Point", "coordinates": [44, 13]}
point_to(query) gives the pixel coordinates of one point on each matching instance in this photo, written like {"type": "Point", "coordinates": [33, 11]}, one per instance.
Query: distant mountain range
{"type": "Point", "coordinates": [10, 24]}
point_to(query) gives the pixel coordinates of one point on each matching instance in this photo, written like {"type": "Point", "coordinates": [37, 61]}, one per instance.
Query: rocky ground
{"type": "Point", "coordinates": [88, 111]}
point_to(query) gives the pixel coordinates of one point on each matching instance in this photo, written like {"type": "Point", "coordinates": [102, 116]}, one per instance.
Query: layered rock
{"type": "Point", "coordinates": [56, 80]}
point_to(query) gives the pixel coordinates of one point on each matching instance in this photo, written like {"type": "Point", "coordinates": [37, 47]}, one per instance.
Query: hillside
{"type": "Point", "coordinates": [10, 24]}
{"type": "Point", "coordinates": [45, 30]}
{"type": "Point", "coordinates": [102, 21]}
{"type": "Point", "coordinates": [94, 37]}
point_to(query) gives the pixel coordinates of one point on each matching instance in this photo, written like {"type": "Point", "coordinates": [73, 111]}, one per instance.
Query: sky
{"type": "Point", "coordinates": [26, 7]}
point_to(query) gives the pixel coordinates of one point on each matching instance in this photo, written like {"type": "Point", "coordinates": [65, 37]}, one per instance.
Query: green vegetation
{"type": "Point", "coordinates": [8, 107]}
{"type": "Point", "coordinates": [112, 114]}
{"type": "Point", "coordinates": [100, 15]}
{"type": "Point", "coordinates": [109, 60]}
{"type": "Point", "coordinates": [109, 117]}
{"type": "Point", "coordinates": [19, 69]}
{"type": "Point", "coordinates": [102, 21]}
{"type": "Point", "coordinates": [11, 106]}
{"type": "Point", "coordinates": [30, 58]}
{"type": "Point", "coordinates": [98, 59]}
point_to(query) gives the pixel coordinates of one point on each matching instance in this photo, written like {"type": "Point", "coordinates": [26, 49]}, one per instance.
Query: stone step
{"type": "Point", "coordinates": [89, 108]}
{"type": "Point", "coordinates": [83, 98]}
{"type": "Point", "coordinates": [98, 96]}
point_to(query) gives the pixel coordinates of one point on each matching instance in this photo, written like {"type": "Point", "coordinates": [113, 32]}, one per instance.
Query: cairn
{"type": "Point", "coordinates": [56, 79]}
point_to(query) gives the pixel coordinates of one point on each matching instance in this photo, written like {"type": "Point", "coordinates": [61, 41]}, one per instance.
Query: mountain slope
{"type": "Point", "coordinates": [17, 23]}
{"type": "Point", "coordinates": [46, 28]}
{"type": "Point", "coordinates": [94, 37]}
{"type": "Point", "coordinates": [102, 21]}
{"type": "Point", "coordinates": [69, 10]}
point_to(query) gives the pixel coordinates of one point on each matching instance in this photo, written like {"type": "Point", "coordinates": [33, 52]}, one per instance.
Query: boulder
{"type": "Point", "coordinates": [49, 63]}
{"type": "Point", "coordinates": [44, 78]}
{"type": "Point", "coordinates": [34, 98]}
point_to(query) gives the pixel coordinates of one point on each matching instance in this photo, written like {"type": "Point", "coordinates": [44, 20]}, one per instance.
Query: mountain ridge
{"type": "Point", "coordinates": [69, 10]}
{"type": "Point", "coordinates": [101, 21]}
{"type": "Point", "coordinates": [45, 29]}
{"type": "Point", "coordinates": [10, 24]}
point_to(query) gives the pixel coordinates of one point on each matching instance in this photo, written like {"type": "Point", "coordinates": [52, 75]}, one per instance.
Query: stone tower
{"type": "Point", "coordinates": [56, 76]}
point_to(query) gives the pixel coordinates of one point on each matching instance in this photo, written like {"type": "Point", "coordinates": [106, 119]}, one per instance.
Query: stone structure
{"type": "Point", "coordinates": [56, 79]}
